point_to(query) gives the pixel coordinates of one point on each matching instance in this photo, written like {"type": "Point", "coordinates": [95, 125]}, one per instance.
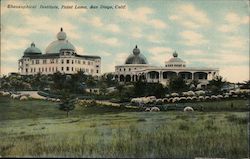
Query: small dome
{"type": "Point", "coordinates": [61, 35]}
{"type": "Point", "coordinates": [175, 54]}
{"type": "Point", "coordinates": [32, 50]}
{"type": "Point", "coordinates": [136, 51]}
{"type": "Point", "coordinates": [136, 57]}
{"type": "Point", "coordinates": [175, 58]}
{"type": "Point", "coordinates": [59, 44]}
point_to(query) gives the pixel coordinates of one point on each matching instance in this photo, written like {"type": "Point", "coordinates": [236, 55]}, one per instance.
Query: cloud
{"type": "Point", "coordinates": [192, 38]}
{"type": "Point", "coordinates": [80, 50]}
{"type": "Point", "coordinates": [108, 41]}
{"type": "Point", "coordinates": [141, 15]}
{"type": "Point", "coordinates": [232, 22]}
{"type": "Point", "coordinates": [159, 55]}
{"type": "Point", "coordinates": [113, 28]}
{"type": "Point", "coordinates": [104, 53]}
{"type": "Point", "coordinates": [194, 52]}
{"type": "Point", "coordinates": [8, 46]}
{"type": "Point", "coordinates": [229, 57]}
{"type": "Point", "coordinates": [154, 38]}
{"type": "Point", "coordinates": [190, 17]}
{"type": "Point", "coordinates": [97, 22]}
{"type": "Point", "coordinates": [136, 32]}
{"type": "Point", "coordinates": [118, 59]}
{"type": "Point", "coordinates": [236, 42]}
{"type": "Point", "coordinates": [156, 23]}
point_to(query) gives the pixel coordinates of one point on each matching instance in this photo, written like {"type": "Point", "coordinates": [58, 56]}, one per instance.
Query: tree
{"type": "Point", "coordinates": [194, 82]}
{"type": "Point", "coordinates": [246, 85]}
{"type": "Point", "coordinates": [148, 89]}
{"type": "Point", "coordinates": [68, 104]}
{"type": "Point", "coordinates": [216, 84]}
{"type": "Point", "coordinates": [139, 88]}
{"type": "Point", "coordinates": [177, 84]}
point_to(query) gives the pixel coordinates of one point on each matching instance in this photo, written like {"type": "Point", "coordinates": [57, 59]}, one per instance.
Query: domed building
{"type": "Point", "coordinates": [59, 56]}
{"type": "Point", "coordinates": [136, 68]}
{"type": "Point", "coordinates": [136, 57]}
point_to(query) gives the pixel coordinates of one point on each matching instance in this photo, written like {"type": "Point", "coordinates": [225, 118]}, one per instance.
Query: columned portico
{"type": "Point", "coordinates": [136, 68]}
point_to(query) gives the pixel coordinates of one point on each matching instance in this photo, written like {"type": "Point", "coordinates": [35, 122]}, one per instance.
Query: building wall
{"type": "Point", "coordinates": [154, 74]}
{"type": "Point", "coordinates": [69, 65]}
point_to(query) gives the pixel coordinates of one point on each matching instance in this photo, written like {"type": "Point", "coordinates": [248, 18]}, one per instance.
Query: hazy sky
{"type": "Point", "coordinates": [205, 33]}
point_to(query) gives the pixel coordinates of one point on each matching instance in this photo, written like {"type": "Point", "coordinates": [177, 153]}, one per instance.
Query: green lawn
{"type": "Point", "coordinates": [38, 129]}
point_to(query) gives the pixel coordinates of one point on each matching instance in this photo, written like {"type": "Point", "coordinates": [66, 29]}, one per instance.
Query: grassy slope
{"type": "Point", "coordinates": [44, 131]}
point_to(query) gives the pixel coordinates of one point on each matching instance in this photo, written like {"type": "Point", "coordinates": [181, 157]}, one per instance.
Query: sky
{"type": "Point", "coordinates": [205, 33]}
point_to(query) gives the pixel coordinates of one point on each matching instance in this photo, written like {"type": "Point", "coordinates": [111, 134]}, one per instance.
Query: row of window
{"type": "Point", "coordinates": [62, 61]}
{"type": "Point", "coordinates": [55, 69]}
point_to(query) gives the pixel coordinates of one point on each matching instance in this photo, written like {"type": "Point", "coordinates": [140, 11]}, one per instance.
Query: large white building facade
{"type": "Point", "coordinates": [59, 56]}
{"type": "Point", "coordinates": [136, 67]}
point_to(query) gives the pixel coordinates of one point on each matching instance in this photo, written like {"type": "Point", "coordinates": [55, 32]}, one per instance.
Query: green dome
{"type": "Point", "coordinates": [136, 57]}
{"type": "Point", "coordinates": [60, 43]}
{"type": "Point", "coordinates": [32, 50]}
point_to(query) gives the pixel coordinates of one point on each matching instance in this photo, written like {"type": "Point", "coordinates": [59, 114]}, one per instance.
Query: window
{"type": "Point", "coordinates": [26, 70]}
{"type": "Point", "coordinates": [49, 69]}
{"type": "Point", "coordinates": [129, 69]}
{"type": "Point", "coordinates": [120, 69]}
{"type": "Point", "coordinates": [62, 68]}
{"type": "Point", "coordinates": [124, 69]}
{"type": "Point", "coordinates": [56, 60]}
{"type": "Point", "coordinates": [32, 62]}
{"type": "Point", "coordinates": [44, 61]}
{"type": "Point", "coordinates": [83, 62]}
{"type": "Point", "coordinates": [39, 69]}
{"type": "Point", "coordinates": [37, 61]}
{"type": "Point", "coordinates": [72, 62]}
{"type": "Point", "coordinates": [79, 62]}
{"type": "Point", "coordinates": [97, 71]}
{"type": "Point", "coordinates": [34, 69]}
{"type": "Point", "coordinates": [67, 68]}
{"type": "Point", "coordinates": [88, 63]}
{"type": "Point", "coordinates": [67, 61]}
{"type": "Point", "coordinates": [72, 69]}
{"type": "Point", "coordinates": [56, 69]}
{"type": "Point", "coordinates": [97, 66]}
{"type": "Point", "coordinates": [46, 69]}
{"type": "Point", "coordinates": [31, 69]}
{"type": "Point", "coordinates": [200, 76]}
{"type": "Point", "coordinates": [62, 61]}
{"type": "Point", "coordinates": [52, 69]}
{"type": "Point", "coordinates": [42, 69]}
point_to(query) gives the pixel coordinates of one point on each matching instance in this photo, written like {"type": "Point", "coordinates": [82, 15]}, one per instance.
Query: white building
{"type": "Point", "coordinates": [60, 55]}
{"type": "Point", "coordinates": [136, 67]}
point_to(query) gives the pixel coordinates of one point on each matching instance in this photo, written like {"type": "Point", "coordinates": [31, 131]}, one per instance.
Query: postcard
{"type": "Point", "coordinates": [124, 79]}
